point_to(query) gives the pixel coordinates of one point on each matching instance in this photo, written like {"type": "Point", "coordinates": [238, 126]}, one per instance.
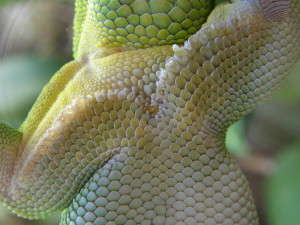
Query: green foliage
{"type": "Point", "coordinates": [21, 80]}
{"type": "Point", "coordinates": [235, 139]}
{"type": "Point", "coordinates": [282, 189]}
{"type": "Point", "coordinates": [289, 92]}
{"type": "Point", "coordinates": [4, 1]}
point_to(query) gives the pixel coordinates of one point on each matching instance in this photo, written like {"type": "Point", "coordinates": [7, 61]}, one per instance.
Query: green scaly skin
{"type": "Point", "coordinates": [132, 130]}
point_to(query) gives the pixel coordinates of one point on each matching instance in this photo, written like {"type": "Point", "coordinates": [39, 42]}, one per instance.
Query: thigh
{"type": "Point", "coordinates": [140, 187]}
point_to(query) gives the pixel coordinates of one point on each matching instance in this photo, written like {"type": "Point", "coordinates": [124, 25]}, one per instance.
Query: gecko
{"type": "Point", "coordinates": [132, 131]}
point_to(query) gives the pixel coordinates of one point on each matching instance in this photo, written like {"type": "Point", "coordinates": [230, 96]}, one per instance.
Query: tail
{"type": "Point", "coordinates": [10, 139]}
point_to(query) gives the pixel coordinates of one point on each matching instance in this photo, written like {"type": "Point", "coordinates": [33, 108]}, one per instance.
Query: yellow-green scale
{"type": "Point", "coordinates": [145, 23]}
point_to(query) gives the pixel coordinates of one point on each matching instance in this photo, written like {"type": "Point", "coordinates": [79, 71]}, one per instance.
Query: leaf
{"type": "Point", "coordinates": [4, 1]}
{"type": "Point", "coordinates": [235, 139]}
{"type": "Point", "coordinates": [282, 189]}
{"type": "Point", "coordinates": [289, 92]}
{"type": "Point", "coordinates": [21, 80]}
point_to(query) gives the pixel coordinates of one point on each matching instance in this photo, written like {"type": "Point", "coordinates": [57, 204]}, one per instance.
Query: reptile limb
{"type": "Point", "coordinates": [132, 131]}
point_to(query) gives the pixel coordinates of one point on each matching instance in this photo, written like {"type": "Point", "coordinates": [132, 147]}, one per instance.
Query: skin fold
{"type": "Point", "coordinates": [132, 130]}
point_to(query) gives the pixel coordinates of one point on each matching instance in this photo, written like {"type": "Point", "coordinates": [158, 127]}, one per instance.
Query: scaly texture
{"type": "Point", "coordinates": [137, 23]}
{"type": "Point", "coordinates": [133, 133]}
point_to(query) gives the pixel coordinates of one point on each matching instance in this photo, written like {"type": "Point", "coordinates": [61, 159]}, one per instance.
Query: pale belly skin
{"type": "Point", "coordinates": [136, 136]}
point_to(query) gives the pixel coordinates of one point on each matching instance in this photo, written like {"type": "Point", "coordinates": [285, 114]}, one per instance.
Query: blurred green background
{"type": "Point", "coordinates": [36, 40]}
